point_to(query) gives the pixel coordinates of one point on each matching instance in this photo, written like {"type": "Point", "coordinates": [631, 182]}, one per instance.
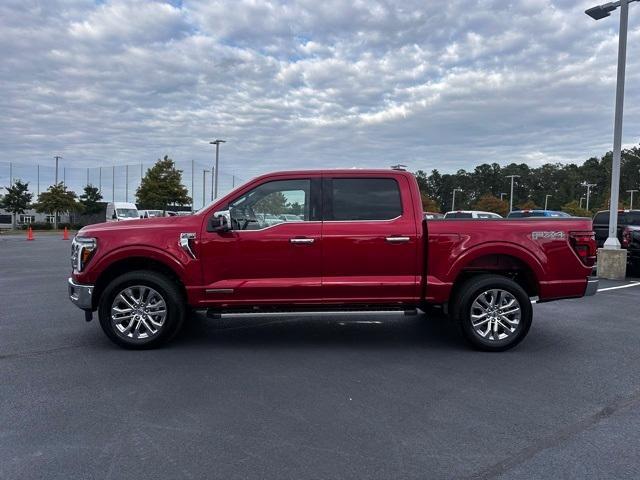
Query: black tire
{"type": "Point", "coordinates": [461, 309]}
{"type": "Point", "coordinates": [176, 309]}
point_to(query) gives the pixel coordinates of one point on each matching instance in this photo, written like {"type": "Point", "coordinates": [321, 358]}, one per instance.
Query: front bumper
{"type": "Point", "coordinates": [592, 287]}
{"type": "Point", "coordinates": [80, 295]}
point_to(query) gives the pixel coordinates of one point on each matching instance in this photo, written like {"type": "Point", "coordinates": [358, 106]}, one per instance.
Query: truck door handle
{"type": "Point", "coordinates": [302, 240]}
{"type": "Point", "coordinates": [397, 239]}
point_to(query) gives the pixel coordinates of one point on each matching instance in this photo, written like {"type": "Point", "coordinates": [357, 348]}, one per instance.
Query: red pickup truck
{"type": "Point", "coordinates": [333, 240]}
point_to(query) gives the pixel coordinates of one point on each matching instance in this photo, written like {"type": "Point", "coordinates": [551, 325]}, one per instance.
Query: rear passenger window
{"type": "Point", "coordinates": [365, 199]}
{"type": "Point", "coordinates": [634, 218]}
{"type": "Point", "coordinates": [459, 215]}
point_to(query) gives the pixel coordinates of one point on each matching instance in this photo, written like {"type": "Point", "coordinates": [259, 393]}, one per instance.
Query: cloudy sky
{"type": "Point", "coordinates": [309, 83]}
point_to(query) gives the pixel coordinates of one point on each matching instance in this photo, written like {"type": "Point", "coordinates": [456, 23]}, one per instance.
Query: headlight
{"type": "Point", "coordinates": [82, 249]}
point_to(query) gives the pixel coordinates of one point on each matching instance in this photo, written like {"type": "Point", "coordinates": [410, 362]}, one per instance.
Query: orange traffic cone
{"type": "Point", "coordinates": [30, 234]}
{"type": "Point", "coordinates": [65, 235]}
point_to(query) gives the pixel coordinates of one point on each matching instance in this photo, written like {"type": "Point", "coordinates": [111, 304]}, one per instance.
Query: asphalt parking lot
{"type": "Point", "coordinates": [376, 396]}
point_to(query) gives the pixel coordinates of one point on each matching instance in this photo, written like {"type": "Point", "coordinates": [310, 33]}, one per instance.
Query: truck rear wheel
{"type": "Point", "coordinates": [141, 309]}
{"type": "Point", "coordinates": [493, 312]}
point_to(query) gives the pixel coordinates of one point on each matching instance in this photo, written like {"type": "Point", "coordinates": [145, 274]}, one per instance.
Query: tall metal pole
{"type": "Point", "coordinates": [10, 174]}
{"type": "Point", "coordinates": [631, 192]}
{"type": "Point", "coordinates": [502, 195]}
{"type": "Point", "coordinates": [588, 185]}
{"type": "Point", "coordinates": [192, 192]}
{"type": "Point", "coordinates": [546, 198]}
{"type": "Point", "coordinates": [204, 183]}
{"type": "Point", "coordinates": [453, 200]}
{"type": "Point", "coordinates": [100, 180]}
{"type": "Point", "coordinates": [64, 176]}
{"type": "Point", "coordinates": [612, 241]}
{"type": "Point", "coordinates": [512, 177]}
{"type": "Point", "coordinates": [213, 170]}
{"type": "Point", "coordinates": [126, 183]}
{"type": "Point", "coordinates": [38, 183]}
{"type": "Point", "coordinates": [233, 181]}
{"type": "Point", "coordinates": [87, 175]}
{"type": "Point", "coordinates": [581, 198]}
{"type": "Point", "coordinates": [113, 183]}
{"type": "Point", "coordinates": [214, 173]}
{"type": "Point", "coordinates": [57, 157]}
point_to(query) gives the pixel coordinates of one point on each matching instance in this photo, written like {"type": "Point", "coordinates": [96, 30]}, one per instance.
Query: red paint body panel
{"type": "Point", "coordinates": [348, 262]}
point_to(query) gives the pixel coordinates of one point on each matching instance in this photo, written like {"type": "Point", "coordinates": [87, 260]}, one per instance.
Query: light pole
{"type": "Point", "coordinates": [214, 190]}
{"type": "Point", "coordinates": [589, 185]}
{"type": "Point", "coordinates": [546, 199]}
{"type": "Point", "coordinates": [502, 195]}
{"type": "Point", "coordinates": [597, 13]}
{"type": "Point", "coordinates": [453, 201]}
{"type": "Point", "coordinates": [512, 177]}
{"type": "Point", "coordinates": [204, 183]}
{"type": "Point", "coordinates": [581, 199]}
{"type": "Point", "coordinates": [57, 157]}
{"type": "Point", "coordinates": [631, 192]}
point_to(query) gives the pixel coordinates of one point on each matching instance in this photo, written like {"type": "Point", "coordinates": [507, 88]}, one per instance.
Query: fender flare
{"type": "Point", "coordinates": [140, 251]}
{"type": "Point", "coordinates": [500, 248]}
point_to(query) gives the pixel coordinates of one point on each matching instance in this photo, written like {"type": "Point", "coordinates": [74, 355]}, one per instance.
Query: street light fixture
{"type": "Point", "coordinates": [204, 183]}
{"type": "Point", "coordinates": [214, 190]}
{"type": "Point", "coordinates": [453, 201]}
{"type": "Point", "coordinates": [631, 192]}
{"type": "Point", "coordinates": [57, 157]}
{"type": "Point", "coordinates": [502, 194]}
{"type": "Point", "coordinates": [512, 177]}
{"type": "Point", "coordinates": [546, 199]}
{"type": "Point", "coordinates": [588, 185]}
{"type": "Point", "coordinates": [598, 13]}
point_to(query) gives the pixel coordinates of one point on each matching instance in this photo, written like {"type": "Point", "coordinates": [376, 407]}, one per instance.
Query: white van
{"type": "Point", "coordinates": [471, 214]}
{"type": "Point", "coordinates": [150, 213]}
{"type": "Point", "coordinates": [117, 211]}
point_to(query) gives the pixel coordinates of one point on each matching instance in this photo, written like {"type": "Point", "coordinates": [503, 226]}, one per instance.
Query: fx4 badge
{"type": "Point", "coordinates": [547, 235]}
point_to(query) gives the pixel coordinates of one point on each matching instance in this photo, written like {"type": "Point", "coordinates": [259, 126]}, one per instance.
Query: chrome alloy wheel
{"type": "Point", "coordinates": [495, 314]}
{"type": "Point", "coordinates": [138, 312]}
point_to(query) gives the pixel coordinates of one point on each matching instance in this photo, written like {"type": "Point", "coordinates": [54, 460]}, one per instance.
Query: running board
{"type": "Point", "coordinates": [215, 313]}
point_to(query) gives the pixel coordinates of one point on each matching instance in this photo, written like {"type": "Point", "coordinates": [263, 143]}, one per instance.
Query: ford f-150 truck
{"type": "Point", "coordinates": [359, 242]}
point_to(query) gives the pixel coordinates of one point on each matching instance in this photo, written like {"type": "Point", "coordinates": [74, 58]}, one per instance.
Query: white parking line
{"type": "Point", "coordinates": [634, 284]}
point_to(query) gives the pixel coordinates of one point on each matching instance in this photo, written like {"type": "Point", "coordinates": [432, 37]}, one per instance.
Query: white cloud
{"type": "Point", "coordinates": [310, 84]}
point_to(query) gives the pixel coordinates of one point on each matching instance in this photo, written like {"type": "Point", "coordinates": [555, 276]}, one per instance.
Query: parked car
{"type": "Point", "coordinates": [432, 215]}
{"type": "Point", "coordinates": [537, 213]}
{"type": "Point", "coordinates": [288, 217]}
{"type": "Point", "coordinates": [363, 244]}
{"type": "Point", "coordinates": [601, 224]}
{"type": "Point", "coordinates": [471, 214]}
{"type": "Point", "coordinates": [631, 241]}
{"type": "Point", "coordinates": [118, 211]}
{"type": "Point", "coordinates": [150, 213]}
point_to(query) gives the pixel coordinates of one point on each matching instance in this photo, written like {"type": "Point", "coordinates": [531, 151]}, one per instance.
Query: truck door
{"type": "Point", "coordinates": [370, 241]}
{"type": "Point", "coordinates": [273, 252]}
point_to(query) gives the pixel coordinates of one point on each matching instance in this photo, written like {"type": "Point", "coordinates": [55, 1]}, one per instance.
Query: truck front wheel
{"type": "Point", "coordinates": [493, 312]}
{"type": "Point", "coordinates": [141, 309]}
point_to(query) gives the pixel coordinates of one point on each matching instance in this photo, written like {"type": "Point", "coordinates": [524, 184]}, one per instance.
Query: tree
{"type": "Point", "coordinates": [57, 199]}
{"type": "Point", "coordinates": [90, 199]}
{"type": "Point", "coordinates": [162, 186]}
{"type": "Point", "coordinates": [573, 208]}
{"type": "Point", "coordinates": [429, 204]}
{"type": "Point", "coordinates": [490, 203]}
{"type": "Point", "coordinates": [529, 205]}
{"type": "Point", "coordinates": [16, 200]}
{"type": "Point", "coordinates": [275, 203]}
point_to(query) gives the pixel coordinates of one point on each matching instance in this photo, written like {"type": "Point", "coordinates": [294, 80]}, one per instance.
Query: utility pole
{"type": "Point", "coordinates": [453, 200]}
{"type": "Point", "coordinates": [589, 185]}
{"type": "Point", "coordinates": [192, 191]}
{"type": "Point", "coordinates": [512, 177]}
{"type": "Point", "coordinates": [233, 181]}
{"type": "Point", "coordinates": [10, 174]}
{"type": "Point", "coordinates": [214, 191]}
{"type": "Point", "coordinates": [126, 183]}
{"type": "Point", "coordinates": [204, 183]}
{"type": "Point", "coordinates": [113, 183]}
{"type": "Point", "coordinates": [100, 180]}
{"type": "Point", "coordinates": [546, 199]}
{"type": "Point", "coordinates": [64, 176]}
{"type": "Point", "coordinates": [38, 183]}
{"type": "Point", "coordinates": [581, 199]}
{"type": "Point", "coordinates": [631, 192]}
{"type": "Point", "coordinates": [57, 157]}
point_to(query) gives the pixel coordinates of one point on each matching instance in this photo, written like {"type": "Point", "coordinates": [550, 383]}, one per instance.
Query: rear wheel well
{"type": "Point", "coordinates": [128, 265]}
{"type": "Point", "coordinates": [499, 264]}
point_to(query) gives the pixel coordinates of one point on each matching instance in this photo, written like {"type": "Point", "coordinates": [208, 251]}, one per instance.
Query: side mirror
{"type": "Point", "coordinates": [220, 222]}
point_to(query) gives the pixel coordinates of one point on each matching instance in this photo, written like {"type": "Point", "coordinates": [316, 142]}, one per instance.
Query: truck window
{"type": "Point", "coordinates": [269, 204]}
{"type": "Point", "coordinates": [365, 199]}
{"type": "Point", "coordinates": [458, 215]}
{"type": "Point", "coordinates": [633, 218]}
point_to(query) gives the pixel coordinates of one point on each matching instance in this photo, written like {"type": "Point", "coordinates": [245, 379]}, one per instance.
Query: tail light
{"type": "Point", "coordinates": [626, 238]}
{"type": "Point", "coordinates": [584, 244]}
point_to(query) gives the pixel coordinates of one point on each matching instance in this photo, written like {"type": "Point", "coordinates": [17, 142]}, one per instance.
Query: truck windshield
{"type": "Point", "coordinates": [127, 213]}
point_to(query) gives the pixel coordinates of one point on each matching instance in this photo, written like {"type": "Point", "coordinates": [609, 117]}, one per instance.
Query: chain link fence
{"type": "Point", "coordinates": [117, 183]}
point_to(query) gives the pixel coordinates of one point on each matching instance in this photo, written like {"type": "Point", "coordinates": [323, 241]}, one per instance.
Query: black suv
{"type": "Point", "coordinates": [601, 224]}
